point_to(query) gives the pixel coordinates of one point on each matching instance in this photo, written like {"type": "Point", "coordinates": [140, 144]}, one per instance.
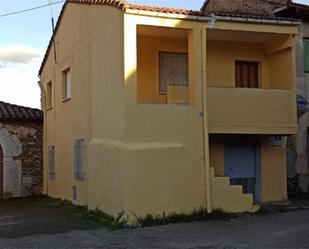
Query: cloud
{"type": "Point", "coordinates": [19, 66]}
{"type": "Point", "coordinates": [19, 54]}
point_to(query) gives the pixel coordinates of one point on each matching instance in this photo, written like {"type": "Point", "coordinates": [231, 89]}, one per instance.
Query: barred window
{"type": "Point", "coordinates": [78, 167]}
{"type": "Point", "coordinates": [51, 162]}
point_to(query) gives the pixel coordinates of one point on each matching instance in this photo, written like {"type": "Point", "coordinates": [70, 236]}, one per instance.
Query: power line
{"type": "Point", "coordinates": [31, 9]}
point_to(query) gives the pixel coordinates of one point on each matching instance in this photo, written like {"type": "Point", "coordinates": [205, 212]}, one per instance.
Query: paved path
{"type": "Point", "coordinates": [45, 229]}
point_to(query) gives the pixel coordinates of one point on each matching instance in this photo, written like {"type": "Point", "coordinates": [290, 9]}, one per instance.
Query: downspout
{"type": "Point", "coordinates": [43, 103]}
{"type": "Point", "coordinates": [205, 121]}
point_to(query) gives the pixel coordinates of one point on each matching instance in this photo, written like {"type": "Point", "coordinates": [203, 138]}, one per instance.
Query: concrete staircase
{"type": "Point", "coordinates": [229, 198]}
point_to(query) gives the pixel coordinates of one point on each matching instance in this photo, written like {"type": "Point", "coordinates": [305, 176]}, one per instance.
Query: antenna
{"type": "Point", "coordinates": [50, 2]}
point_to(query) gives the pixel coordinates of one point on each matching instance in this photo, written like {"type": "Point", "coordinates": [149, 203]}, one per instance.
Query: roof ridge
{"type": "Point", "coordinates": [124, 5]}
{"type": "Point", "coordinates": [20, 106]}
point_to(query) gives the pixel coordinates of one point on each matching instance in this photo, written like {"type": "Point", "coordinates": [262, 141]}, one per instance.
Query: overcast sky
{"type": "Point", "coordinates": [24, 38]}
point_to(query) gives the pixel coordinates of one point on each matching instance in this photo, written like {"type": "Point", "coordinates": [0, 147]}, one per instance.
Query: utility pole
{"type": "Point", "coordinates": [50, 2]}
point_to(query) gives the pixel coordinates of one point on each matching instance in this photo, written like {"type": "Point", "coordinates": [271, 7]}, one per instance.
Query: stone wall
{"type": "Point", "coordinates": [29, 161]}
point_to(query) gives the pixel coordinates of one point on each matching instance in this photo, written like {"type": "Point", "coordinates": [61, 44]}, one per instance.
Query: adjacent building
{"type": "Point", "coordinates": [153, 110]}
{"type": "Point", "coordinates": [21, 156]}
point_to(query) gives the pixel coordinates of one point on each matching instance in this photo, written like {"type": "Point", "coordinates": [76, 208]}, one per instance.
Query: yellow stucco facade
{"type": "Point", "coordinates": [150, 153]}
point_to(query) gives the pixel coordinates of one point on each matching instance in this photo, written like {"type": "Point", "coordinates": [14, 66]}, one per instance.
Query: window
{"type": "Point", "coordinates": [306, 55]}
{"type": "Point", "coordinates": [51, 162]}
{"type": "Point", "coordinates": [49, 95]}
{"type": "Point", "coordinates": [247, 74]}
{"type": "Point", "coordinates": [66, 85]}
{"type": "Point", "coordinates": [78, 167]}
{"type": "Point", "coordinates": [173, 70]}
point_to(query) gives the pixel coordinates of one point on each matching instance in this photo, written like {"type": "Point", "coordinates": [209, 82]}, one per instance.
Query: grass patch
{"type": "Point", "coordinates": [80, 215]}
{"type": "Point", "coordinates": [197, 215]}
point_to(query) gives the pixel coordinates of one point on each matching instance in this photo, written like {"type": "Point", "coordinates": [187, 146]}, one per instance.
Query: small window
{"type": "Point", "coordinates": [306, 55]}
{"type": "Point", "coordinates": [173, 70]}
{"type": "Point", "coordinates": [66, 85]}
{"type": "Point", "coordinates": [51, 162]}
{"type": "Point", "coordinates": [78, 167]}
{"type": "Point", "coordinates": [49, 95]}
{"type": "Point", "coordinates": [247, 74]}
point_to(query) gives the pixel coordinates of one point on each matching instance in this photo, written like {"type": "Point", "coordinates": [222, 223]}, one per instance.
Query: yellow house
{"type": "Point", "coordinates": [151, 110]}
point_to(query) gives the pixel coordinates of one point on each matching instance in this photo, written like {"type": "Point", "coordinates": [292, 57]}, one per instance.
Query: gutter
{"type": "Point", "coordinates": [211, 17]}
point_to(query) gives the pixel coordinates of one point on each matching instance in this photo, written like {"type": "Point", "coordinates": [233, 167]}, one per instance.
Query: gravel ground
{"type": "Point", "coordinates": [40, 225]}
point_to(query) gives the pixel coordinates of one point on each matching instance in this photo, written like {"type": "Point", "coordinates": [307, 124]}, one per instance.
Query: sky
{"type": "Point", "coordinates": [24, 38]}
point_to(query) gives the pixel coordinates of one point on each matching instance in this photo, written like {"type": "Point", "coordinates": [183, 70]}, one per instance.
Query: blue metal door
{"type": "Point", "coordinates": [241, 159]}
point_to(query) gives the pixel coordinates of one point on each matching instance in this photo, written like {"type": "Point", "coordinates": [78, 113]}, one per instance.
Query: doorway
{"type": "Point", "coordinates": [242, 164]}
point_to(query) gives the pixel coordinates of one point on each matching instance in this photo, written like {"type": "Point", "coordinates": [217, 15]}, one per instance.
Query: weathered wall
{"type": "Point", "coordinates": [297, 156]}
{"type": "Point", "coordinates": [257, 7]}
{"type": "Point", "coordinates": [23, 171]}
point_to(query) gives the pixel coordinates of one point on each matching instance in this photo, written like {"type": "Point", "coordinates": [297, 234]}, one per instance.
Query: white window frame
{"type": "Point", "coordinates": [67, 84]}
{"type": "Point", "coordinates": [49, 95]}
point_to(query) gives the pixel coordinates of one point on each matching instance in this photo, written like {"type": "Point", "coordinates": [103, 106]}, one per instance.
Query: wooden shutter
{"type": "Point", "coordinates": [79, 159]}
{"type": "Point", "coordinates": [173, 70]}
{"type": "Point", "coordinates": [51, 162]}
{"type": "Point", "coordinates": [247, 74]}
{"type": "Point", "coordinates": [306, 55]}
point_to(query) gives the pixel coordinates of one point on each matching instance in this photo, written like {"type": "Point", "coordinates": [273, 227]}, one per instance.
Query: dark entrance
{"type": "Point", "coordinates": [242, 163]}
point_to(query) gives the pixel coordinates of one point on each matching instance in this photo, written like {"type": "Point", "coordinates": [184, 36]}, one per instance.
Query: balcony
{"type": "Point", "coordinates": [255, 111]}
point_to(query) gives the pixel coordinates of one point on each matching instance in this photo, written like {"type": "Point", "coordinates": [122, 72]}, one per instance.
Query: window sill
{"type": "Point", "coordinates": [66, 100]}
{"type": "Point", "coordinates": [49, 108]}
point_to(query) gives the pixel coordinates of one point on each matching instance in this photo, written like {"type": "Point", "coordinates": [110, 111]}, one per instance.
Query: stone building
{"type": "Point", "coordinates": [21, 165]}
{"type": "Point", "coordinates": [298, 145]}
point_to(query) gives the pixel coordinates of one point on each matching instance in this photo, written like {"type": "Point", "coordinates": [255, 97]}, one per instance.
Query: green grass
{"type": "Point", "coordinates": [81, 214]}
{"type": "Point", "coordinates": [197, 215]}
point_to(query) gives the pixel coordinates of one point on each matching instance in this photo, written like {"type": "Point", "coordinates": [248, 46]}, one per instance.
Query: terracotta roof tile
{"type": "Point", "coordinates": [10, 112]}
{"type": "Point", "coordinates": [124, 5]}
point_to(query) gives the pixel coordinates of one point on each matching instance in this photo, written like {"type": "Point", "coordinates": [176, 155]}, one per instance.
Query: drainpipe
{"type": "Point", "coordinates": [205, 120]}
{"type": "Point", "coordinates": [43, 103]}
{"type": "Point", "coordinates": [212, 22]}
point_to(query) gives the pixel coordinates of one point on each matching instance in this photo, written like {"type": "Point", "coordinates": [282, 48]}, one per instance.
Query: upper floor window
{"type": "Point", "coordinates": [247, 74]}
{"type": "Point", "coordinates": [66, 84]}
{"type": "Point", "coordinates": [173, 70]}
{"type": "Point", "coordinates": [49, 95]}
{"type": "Point", "coordinates": [306, 55]}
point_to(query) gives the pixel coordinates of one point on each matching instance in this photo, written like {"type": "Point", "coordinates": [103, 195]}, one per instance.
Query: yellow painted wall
{"type": "Point", "coordinates": [272, 167]}
{"type": "Point", "coordinates": [148, 49]}
{"type": "Point", "coordinates": [221, 59]}
{"type": "Point", "coordinates": [273, 173]}
{"type": "Point", "coordinates": [144, 158]}
{"type": "Point", "coordinates": [216, 155]}
{"type": "Point", "coordinates": [68, 120]}
{"type": "Point", "coordinates": [281, 66]}
{"type": "Point", "coordinates": [97, 80]}
{"type": "Point", "coordinates": [253, 111]}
